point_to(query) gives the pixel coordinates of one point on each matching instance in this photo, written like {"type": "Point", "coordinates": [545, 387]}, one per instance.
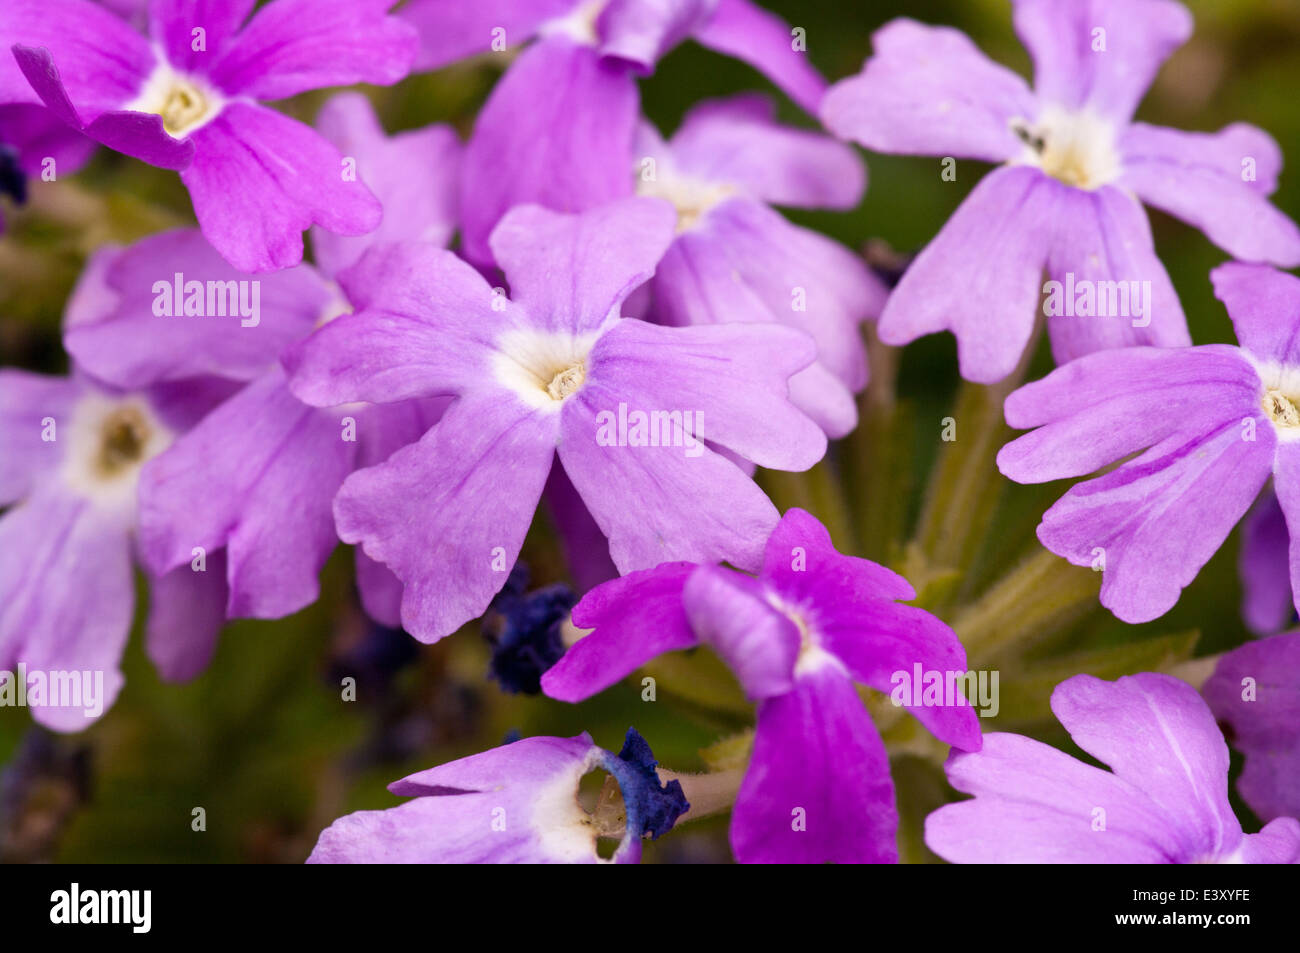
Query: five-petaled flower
{"type": "Point", "coordinates": [1164, 801]}
{"type": "Point", "coordinates": [514, 804]}
{"type": "Point", "coordinates": [188, 98]}
{"type": "Point", "coordinates": [542, 373]}
{"type": "Point", "coordinates": [1073, 166]}
{"type": "Point", "coordinates": [798, 637]}
{"type": "Point", "coordinates": [1213, 421]}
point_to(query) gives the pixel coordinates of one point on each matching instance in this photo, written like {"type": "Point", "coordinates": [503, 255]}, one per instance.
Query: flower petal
{"type": "Point", "coordinates": [187, 609]}
{"type": "Point", "coordinates": [730, 613]}
{"type": "Point", "coordinates": [172, 26]}
{"type": "Point", "coordinates": [1256, 689]}
{"type": "Point", "coordinates": [1156, 733]}
{"type": "Point", "coordinates": [700, 508]}
{"type": "Point", "coordinates": [556, 131]}
{"type": "Point", "coordinates": [413, 174]}
{"type": "Point", "coordinates": [1103, 240]}
{"type": "Point", "coordinates": [745, 262]}
{"type": "Point", "coordinates": [929, 90]}
{"type": "Point", "coordinates": [291, 46]}
{"type": "Point", "coordinates": [1202, 179]}
{"type": "Point", "coordinates": [257, 477]}
{"type": "Point", "coordinates": [979, 277]}
{"type": "Point", "coordinates": [572, 272]}
{"type": "Point", "coordinates": [1159, 518]}
{"type": "Point", "coordinates": [448, 514]}
{"type": "Point", "coordinates": [103, 62]}
{"type": "Point", "coordinates": [1263, 304]}
{"type": "Point", "coordinates": [1100, 55]}
{"type": "Point", "coordinates": [639, 32]}
{"type": "Point", "coordinates": [132, 133]}
{"type": "Point", "coordinates": [733, 377]}
{"type": "Point", "coordinates": [425, 325]}
{"type": "Point", "coordinates": [1036, 805]}
{"type": "Point", "coordinates": [259, 179]}
{"type": "Point", "coordinates": [451, 30]}
{"type": "Point", "coordinates": [818, 788]}
{"type": "Point", "coordinates": [123, 340]}
{"type": "Point", "coordinates": [1154, 392]}
{"type": "Point", "coordinates": [738, 141]}
{"type": "Point", "coordinates": [28, 402]}
{"type": "Point", "coordinates": [1277, 843]}
{"type": "Point", "coordinates": [746, 31]}
{"type": "Point", "coordinates": [633, 619]}
{"type": "Point", "coordinates": [66, 598]}
{"type": "Point", "coordinates": [1263, 564]}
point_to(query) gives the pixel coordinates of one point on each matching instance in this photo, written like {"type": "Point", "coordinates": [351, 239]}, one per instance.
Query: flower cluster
{"type": "Point", "coordinates": [568, 324]}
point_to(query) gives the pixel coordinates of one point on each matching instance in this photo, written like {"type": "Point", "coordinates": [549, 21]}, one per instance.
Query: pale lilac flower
{"type": "Point", "coordinates": [1163, 801]}
{"type": "Point", "coordinates": [798, 637]}
{"type": "Point", "coordinates": [557, 128]}
{"type": "Point", "coordinates": [71, 451]}
{"type": "Point", "coordinates": [1255, 690]}
{"type": "Point", "coordinates": [258, 476]}
{"type": "Point", "coordinates": [188, 98]}
{"type": "Point", "coordinates": [1214, 423]}
{"type": "Point", "coordinates": [1074, 167]}
{"type": "Point", "coordinates": [735, 259]}
{"type": "Point", "coordinates": [513, 804]}
{"type": "Point", "coordinates": [552, 369]}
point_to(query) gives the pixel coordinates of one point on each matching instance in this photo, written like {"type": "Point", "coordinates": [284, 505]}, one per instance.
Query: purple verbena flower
{"type": "Point", "coordinates": [1066, 197]}
{"type": "Point", "coordinates": [258, 476]}
{"type": "Point", "coordinates": [798, 637]}
{"type": "Point", "coordinates": [628, 406]}
{"type": "Point", "coordinates": [513, 804]}
{"type": "Point", "coordinates": [557, 128]}
{"type": "Point", "coordinates": [1213, 421]}
{"type": "Point", "coordinates": [71, 451]}
{"type": "Point", "coordinates": [1255, 690]}
{"type": "Point", "coordinates": [188, 98]}
{"type": "Point", "coordinates": [737, 259]}
{"type": "Point", "coordinates": [1163, 801]}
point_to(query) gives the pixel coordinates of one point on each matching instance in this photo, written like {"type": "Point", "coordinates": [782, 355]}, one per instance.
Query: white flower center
{"type": "Point", "coordinates": [1077, 148]}
{"type": "Point", "coordinates": [185, 103]}
{"type": "Point", "coordinates": [811, 654]}
{"type": "Point", "coordinates": [692, 198]}
{"type": "Point", "coordinates": [579, 24]}
{"type": "Point", "coordinates": [544, 368]}
{"type": "Point", "coordinates": [1279, 396]}
{"type": "Point", "coordinates": [109, 440]}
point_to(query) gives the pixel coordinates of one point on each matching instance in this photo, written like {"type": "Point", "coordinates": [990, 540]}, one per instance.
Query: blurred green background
{"type": "Point", "coordinates": [263, 740]}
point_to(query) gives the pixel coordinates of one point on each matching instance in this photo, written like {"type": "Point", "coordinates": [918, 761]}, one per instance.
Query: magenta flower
{"type": "Point", "coordinates": [187, 98]}
{"type": "Point", "coordinates": [34, 136]}
{"type": "Point", "coordinates": [1065, 198]}
{"type": "Point", "coordinates": [1255, 690]}
{"type": "Point", "coordinates": [1214, 422]}
{"type": "Point", "coordinates": [627, 406]}
{"type": "Point", "coordinates": [517, 804]}
{"type": "Point", "coordinates": [737, 259]}
{"type": "Point", "coordinates": [1164, 801]}
{"type": "Point", "coordinates": [258, 476]}
{"type": "Point", "coordinates": [71, 451]}
{"type": "Point", "coordinates": [798, 637]}
{"type": "Point", "coordinates": [558, 126]}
